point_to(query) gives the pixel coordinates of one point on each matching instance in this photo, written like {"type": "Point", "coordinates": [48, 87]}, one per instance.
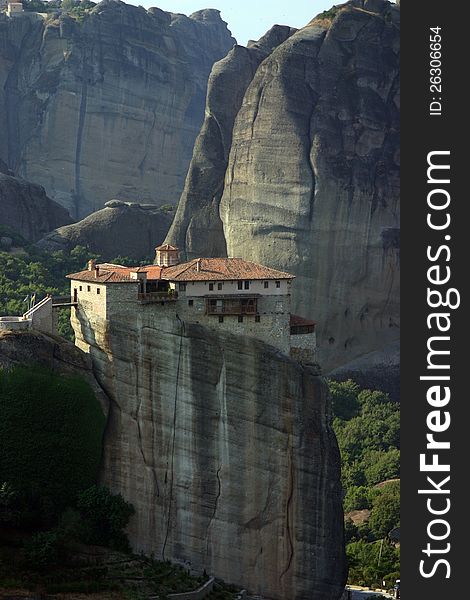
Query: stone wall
{"type": "Point", "coordinates": [225, 448]}
{"type": "Point", "coordinates": [41, 316]}
{"type": "Point", "coordinates": [303, 347]}
{"type": "Point", "coordinates": [272, 328]}
{"type": "Point", "coordinates": [14, 324]}
{"type": "Point", "coordinates": [118, 302]}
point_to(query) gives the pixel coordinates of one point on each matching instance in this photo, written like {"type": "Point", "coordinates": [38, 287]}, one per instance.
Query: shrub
{"type": "Point", "coordinates": [51, 429]}
{"type": "Point", "coordinates": [385, 513]}
{"type": "Point", "coordinates": [105, 516]}
{"type": "Point", "coordinates": [42, 551]}
{"type": "Point", "coordinates": [357, 498]}
{"type": "Point", "coordinates": [344, 398]}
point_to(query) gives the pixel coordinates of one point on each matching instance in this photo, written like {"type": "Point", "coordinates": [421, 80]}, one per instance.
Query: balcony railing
{"type": "Point", "coordinates": [232, 308]}
{"type": "Point", "coordinates": [158, 297]}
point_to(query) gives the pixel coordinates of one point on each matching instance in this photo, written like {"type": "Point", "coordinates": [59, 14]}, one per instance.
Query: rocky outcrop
{"type": "Point", "coordinates": [312, 182]}
{"type": "Point", "coordinates": [25, 209]}
{"type": "Point", "coordinates": [119, 229]}
{"type": "Point", "coordinates": [197, 228]}
{"type": "Point", "coordinates": [107, 106]}
{"type": "Point", "coordinates": [225, 448]}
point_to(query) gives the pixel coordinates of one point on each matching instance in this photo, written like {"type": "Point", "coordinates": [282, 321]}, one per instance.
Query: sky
{"type": "Point", "coordinates": [248, 19]}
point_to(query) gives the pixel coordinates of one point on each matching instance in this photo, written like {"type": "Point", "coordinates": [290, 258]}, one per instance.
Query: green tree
{"type": "Point", "coordinates": [344, 398]}
{"type": "Point", "coordinates": [104, 517]}
{"type": "Point", "coordinates": [381, 465]}
{"type": "Point", "coordinates": [385, 513]}
{"type": "Point", "coordinates": [369, 562]}
{"type": "Point", "coordinates": [357, 498]}
{"type": "Point", "coordinates": [51, 429]}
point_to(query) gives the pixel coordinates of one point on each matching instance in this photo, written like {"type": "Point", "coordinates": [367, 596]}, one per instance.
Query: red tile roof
{"type": "Point", "coordinates": [296, 321]}
{"type": "Point", "coordinates": [167, 247]}
{"type": "Point", "coordinates": [211, 269]}
{"type": "Point", "coordinates": [109, 273]}
{"type": "Point", "coordinates": [216, 269]}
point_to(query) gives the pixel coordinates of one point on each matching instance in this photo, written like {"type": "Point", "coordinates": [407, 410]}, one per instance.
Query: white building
{"type": "Point", "coordinates": [228, 294]}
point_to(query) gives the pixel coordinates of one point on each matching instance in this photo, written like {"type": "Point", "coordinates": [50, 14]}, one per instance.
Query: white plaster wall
{"type": "Point", "coordinates": [201, 288]}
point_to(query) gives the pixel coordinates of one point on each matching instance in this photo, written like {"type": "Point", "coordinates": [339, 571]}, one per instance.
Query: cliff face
{"type": "Point", "coordinates": [312, 181]}
{"type": "Point", "coordinates": [197, 228]}
{"type": "Point", "coordinates": [108, 106]}
{"type": "Point", "coordinates": [119, 229]}
{"type": "Point", "coordinates": [225, 448]}
{"type": "Point", "coordinates": [25, 208]}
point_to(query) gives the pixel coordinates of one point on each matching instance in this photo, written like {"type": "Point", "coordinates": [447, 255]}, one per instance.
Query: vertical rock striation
{"type": "Point", "coordinates": [225, 448]}
{"type": "Point", "coordinates": [107, 106]}
{"type": "Point", "coordinates": [197, 228]}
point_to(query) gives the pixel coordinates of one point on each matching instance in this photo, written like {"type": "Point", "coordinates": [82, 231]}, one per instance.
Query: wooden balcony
{"type": "Point", "coordinates": [228, 306]}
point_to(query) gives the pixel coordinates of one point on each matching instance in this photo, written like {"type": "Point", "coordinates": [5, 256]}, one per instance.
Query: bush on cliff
{"type": "Point", "coordinates": [51, 429]}
{"type": "Point", "coordinates": [103, 518]}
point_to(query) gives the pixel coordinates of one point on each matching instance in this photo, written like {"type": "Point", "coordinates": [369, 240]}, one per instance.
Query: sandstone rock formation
{"type": "Point", "coordinates": [312, 182]}
{"type": "Point", "coordinates": [108, 107]}
{"type": "Point", "coordinates": [225, 447]}
{"type": "Point", "coordinates": [119, 229]}
{"type": "Point", "coordinates": [197, 228]}
{"type": "Point", "coordinates": [25, 208]}
{"type": "Point", "coordinates": [379, 370]}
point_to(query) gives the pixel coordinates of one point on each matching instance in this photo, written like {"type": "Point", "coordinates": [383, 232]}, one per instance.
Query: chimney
{"type": "Point", "coordinates": [91, 264]}
{"type": "Point", "coordinates": [198, 265]}
{"type": "Point", "coordinates": [97, 271]}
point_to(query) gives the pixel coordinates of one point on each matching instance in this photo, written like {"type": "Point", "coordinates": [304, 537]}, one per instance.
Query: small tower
{"type": "Point", "coordinates": [167, 256]}
{"type": "Point", "coordinates": [14, 8]}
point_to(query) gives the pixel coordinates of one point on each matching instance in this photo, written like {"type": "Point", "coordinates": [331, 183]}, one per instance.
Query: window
{"type": "Point", "coordinates": [182, 287]}
{"type": "Point", "coordinates": [88, 288]}
{"type": "Point", "coordinates": [211, 287]}
{"type": "Point", "coordinates": [278, 284]}
{"type": "Point", "coordinates": [266, 284]}
{"type": "Point", "coordinates": [98, 290]}
{"type": "Point", "coordinates": [240, 285]}
{"type": "Point", "coordinates": [190, 302]}
{"type": "Point", "coordinates": [221, 319]}
{"type": "Point", "coordinates": [247, 285]}
{"type": "Point", "coordinates": [257, 319]}
{"type": "Point", "coordinates": [240, 318]}
{"type": "Point", "coordinates": [80, 288]}
{"type": "Point", "coordinates": [219, 286]}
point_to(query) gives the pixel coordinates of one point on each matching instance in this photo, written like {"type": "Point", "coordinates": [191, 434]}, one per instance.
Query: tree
{"type": "Point", "coordinates": [344, 398]}
{"type": "Point", "coordinates": [51, 429]}
{"type": "Point", "coordinates": [380, 466]}
{"type": "Point", "coordinates": [69, 4]}
{"type": "Point", "coordinates": [357, 498]}
{"type": "Point", "coordinates": [385, 513]}
{"type": "Point", "coordinates": [104, 517]}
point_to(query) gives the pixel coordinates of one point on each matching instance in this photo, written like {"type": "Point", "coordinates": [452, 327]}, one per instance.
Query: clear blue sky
{"type": "Point", "coordinates": [249, 19]}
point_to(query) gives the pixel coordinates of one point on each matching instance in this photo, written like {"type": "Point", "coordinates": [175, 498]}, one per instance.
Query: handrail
{"type": "Point", "coordinates": [231, 310]}
{"type": "Point", "coordinates": [34, 308]}
{"type": "Point", "coordinates": [157, 296]}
